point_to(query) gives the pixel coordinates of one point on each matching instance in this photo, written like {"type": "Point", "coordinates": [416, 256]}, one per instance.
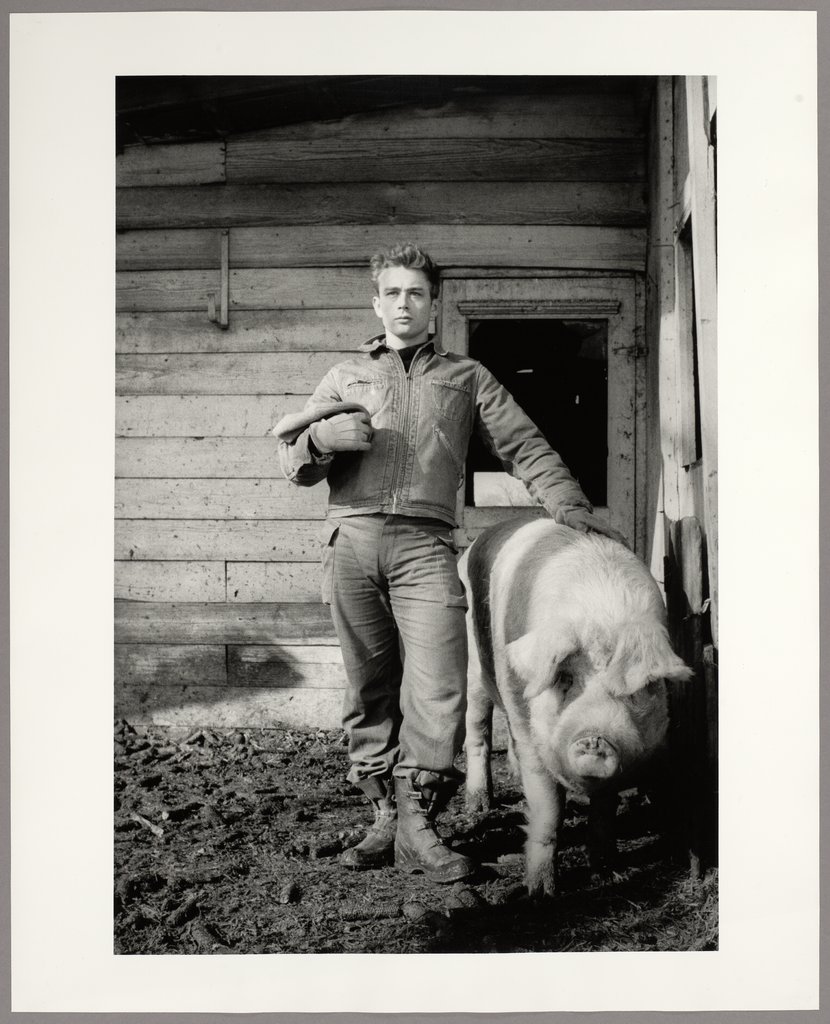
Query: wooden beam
{"type": "Point", "coordinates": [251, 159]}
{"type": "Point", "coordinates": [141, 622]}
{"type": "Point", "coordinates": [396, 204]}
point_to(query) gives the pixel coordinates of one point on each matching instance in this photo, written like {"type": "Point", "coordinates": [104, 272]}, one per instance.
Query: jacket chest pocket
{"type": "Point", "coordinates": [369, 392]}
{"type": "Point", "coordinates": [450, 399]}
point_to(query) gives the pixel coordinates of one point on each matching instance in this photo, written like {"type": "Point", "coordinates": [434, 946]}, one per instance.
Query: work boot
{"type": "Point", "coordinates": [418, 847]}
{"type": "Point", "coordinates": [378, 845]}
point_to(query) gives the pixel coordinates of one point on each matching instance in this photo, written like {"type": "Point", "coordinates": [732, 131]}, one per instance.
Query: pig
{"type": "Point", "coordinates": [567, 634]}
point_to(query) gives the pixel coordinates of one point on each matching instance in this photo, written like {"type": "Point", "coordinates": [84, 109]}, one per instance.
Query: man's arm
{"type": "Point", "coordinates": [301, 461]}
{"type": "Point", "coordinates": [308, 442]}
{"type": "Point", "coordinates": [520, 446]}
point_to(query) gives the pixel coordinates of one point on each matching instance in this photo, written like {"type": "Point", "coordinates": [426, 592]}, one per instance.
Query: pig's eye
{"type": "Point", "coordinates": [564, 681]}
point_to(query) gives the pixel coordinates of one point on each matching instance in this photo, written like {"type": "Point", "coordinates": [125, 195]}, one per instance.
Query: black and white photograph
{"type": "Point", "coordinates": [407, 410]}
{"type": "Point", "coordinates": [457, 336]}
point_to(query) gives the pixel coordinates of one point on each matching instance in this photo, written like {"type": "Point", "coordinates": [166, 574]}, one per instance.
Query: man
{"type": "Point", "coordinates": [389, 429]}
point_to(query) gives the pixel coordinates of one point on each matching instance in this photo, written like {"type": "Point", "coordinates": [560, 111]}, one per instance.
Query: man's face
{"type": "Point", "coordinates": [404, 305]}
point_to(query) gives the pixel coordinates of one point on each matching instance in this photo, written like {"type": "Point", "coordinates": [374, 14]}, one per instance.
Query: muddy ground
{"type": "Point", "coordinates": [228, 842]}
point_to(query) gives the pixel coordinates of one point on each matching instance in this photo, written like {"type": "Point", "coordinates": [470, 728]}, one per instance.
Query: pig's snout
{"type": "Point", "coordinates": [593, 756]}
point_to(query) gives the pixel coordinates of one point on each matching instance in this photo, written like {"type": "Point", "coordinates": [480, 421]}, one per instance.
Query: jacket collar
{"type": "Point", "coordinates": [378, 344]}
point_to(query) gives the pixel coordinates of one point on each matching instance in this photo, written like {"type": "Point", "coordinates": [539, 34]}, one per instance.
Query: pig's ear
{"type": "Point", "coordinates": [671, 668]}
{"type": "Point", "coordinates": [536, 657]}
{"type": "Point", "coordinates": [643, 656]}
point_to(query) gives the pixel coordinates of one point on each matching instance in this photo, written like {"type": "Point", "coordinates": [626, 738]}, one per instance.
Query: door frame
{"type": "Point", "coordinates": [615, 299]}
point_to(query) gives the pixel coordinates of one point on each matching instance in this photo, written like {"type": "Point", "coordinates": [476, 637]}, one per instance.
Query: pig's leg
{"type": "Point", "coordinates": [478, 744]}
{"type": "Point", "coordinates": [512, 760]}
{"type": "Point", "coordinates": [602, 831]}
{"type": "Point", "coordinates": [545, 812]}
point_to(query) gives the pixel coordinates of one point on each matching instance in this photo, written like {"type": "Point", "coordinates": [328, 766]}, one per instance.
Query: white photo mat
{"type": "Point", "coordinates": [63, 69]}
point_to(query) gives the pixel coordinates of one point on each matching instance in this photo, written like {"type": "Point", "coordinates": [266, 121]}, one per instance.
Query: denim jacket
{"type": "Point", "coordinates": [422, 423]}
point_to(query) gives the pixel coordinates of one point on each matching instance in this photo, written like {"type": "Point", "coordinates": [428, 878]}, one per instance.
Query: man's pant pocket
{"type": "Point", "coordinates": [327, 576]}
{"type": "Point", "coordinates": [454, 594]}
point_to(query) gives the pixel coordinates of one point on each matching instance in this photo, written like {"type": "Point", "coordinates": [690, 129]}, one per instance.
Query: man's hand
{"type": "Point", "coordinates": [584, 521]}
{"type": "Point", "coordinates": [346, 432]}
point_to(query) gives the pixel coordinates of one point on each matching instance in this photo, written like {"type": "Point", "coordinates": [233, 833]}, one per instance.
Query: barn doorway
{"type": "Point", "coordinates": [565, 347]}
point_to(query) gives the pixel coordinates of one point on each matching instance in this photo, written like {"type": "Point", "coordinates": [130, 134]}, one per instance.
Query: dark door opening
{"type": "Point", "coordinates": [557, 370]}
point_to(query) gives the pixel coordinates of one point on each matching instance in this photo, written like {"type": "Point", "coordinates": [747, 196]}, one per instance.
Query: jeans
{"type": "Point", "coordinates": [398, 607]}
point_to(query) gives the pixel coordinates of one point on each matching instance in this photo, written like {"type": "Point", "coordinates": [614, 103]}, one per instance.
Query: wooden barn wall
{"type": "Point", "coordinates": [218, 620]}
{"type": "Point", "coordinates": [682, 468]}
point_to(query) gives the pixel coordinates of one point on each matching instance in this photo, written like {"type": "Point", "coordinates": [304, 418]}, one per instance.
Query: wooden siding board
{"type": "Point", "coordinates": [273, 581]}
{"type": "Point", "coordinates": [243, 373]}
{"type": "Point", "coordinates": [160, 290]}
{"type": "Point", "coordinates": [279, 667]}
{"type": "Point", "coordinates": [209, 540]}
{"type": "Point", "coordinates": [141, 622]}
{"type": "Point", "coordinates": [192, 706]}
{"type": "Point", "coordinates": [251, 159]}
{"type": "Point", "coordinates": [202, 415]}
{"type": "Point", "coordinates": [702, 159]}
{"type": "Point", "coordinates": [578, 116]}
{"type": "Point", "coordinates": [290, 247]}
{"type": "Point", "coordinates": [394, 203]}
{"type": "Point", "coordinates": [170, 581]}
{"type": "Point", "coordinates": [197, 458]}
{"type": "Point", "coordinates": [218, 499]}
{"type": "Point", "coordinates": [187, 664]}
{"type": "Point", "coordinates": [284, 330]}
{"type": "Point", "coordinates": [192, 163]}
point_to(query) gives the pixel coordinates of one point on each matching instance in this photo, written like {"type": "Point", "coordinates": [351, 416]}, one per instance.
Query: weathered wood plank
{"type": "Point", "coordinates": [192, 163]}
{"type": "Point", "coordinates": [201, 416]}
{"type": "Point", "coordinates": [233, 373]}
{"type": "Point", "coordinates": [317, 668]}
{"type": "Point", "coordinates": [200, 707]}
{"type": "Point", "coordinates": [218, 499]}
{"type": "Point", "coordinates": [395, 203]}
{"type": "Point", "coordinates": [170, 581]}
{"type": "Point", "coordinates": [284, 330]}
{"type": "Point", "coordinates": [188, 249]}
{"type": "Point", "coordinates": [151, 290]}
{"type": "Point", "coordinates": [337, 245]}
{"type": "Point", "coordinates": [251, 159]}
{"type": "Point", "coordinates": [330, 288]}
{"type": "Point", "coordinates": [182, 665]}
{"type": "Point", "coordinates": [140, 622]}
{"type": "Point", "coordinates": [273, 581]}
{"type": "Point", "coordinates": [206, 458]}
{"type": "Point", "coordinates": [562, 116]}
{"type": "Point", "coordinates": [209, 540]}
{"type": "Point", "coordinates": [702, 170]}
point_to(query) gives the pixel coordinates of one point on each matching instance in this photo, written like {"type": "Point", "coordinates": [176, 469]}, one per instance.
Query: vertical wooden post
{"type": "Point", "coordinates": [702, 174]}
{"type": "Point", "coordinates": [224, 278]}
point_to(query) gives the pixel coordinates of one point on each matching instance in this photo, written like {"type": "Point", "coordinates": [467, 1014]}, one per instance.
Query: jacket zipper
{"type": "Point", "coordinates": [405, 422]}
